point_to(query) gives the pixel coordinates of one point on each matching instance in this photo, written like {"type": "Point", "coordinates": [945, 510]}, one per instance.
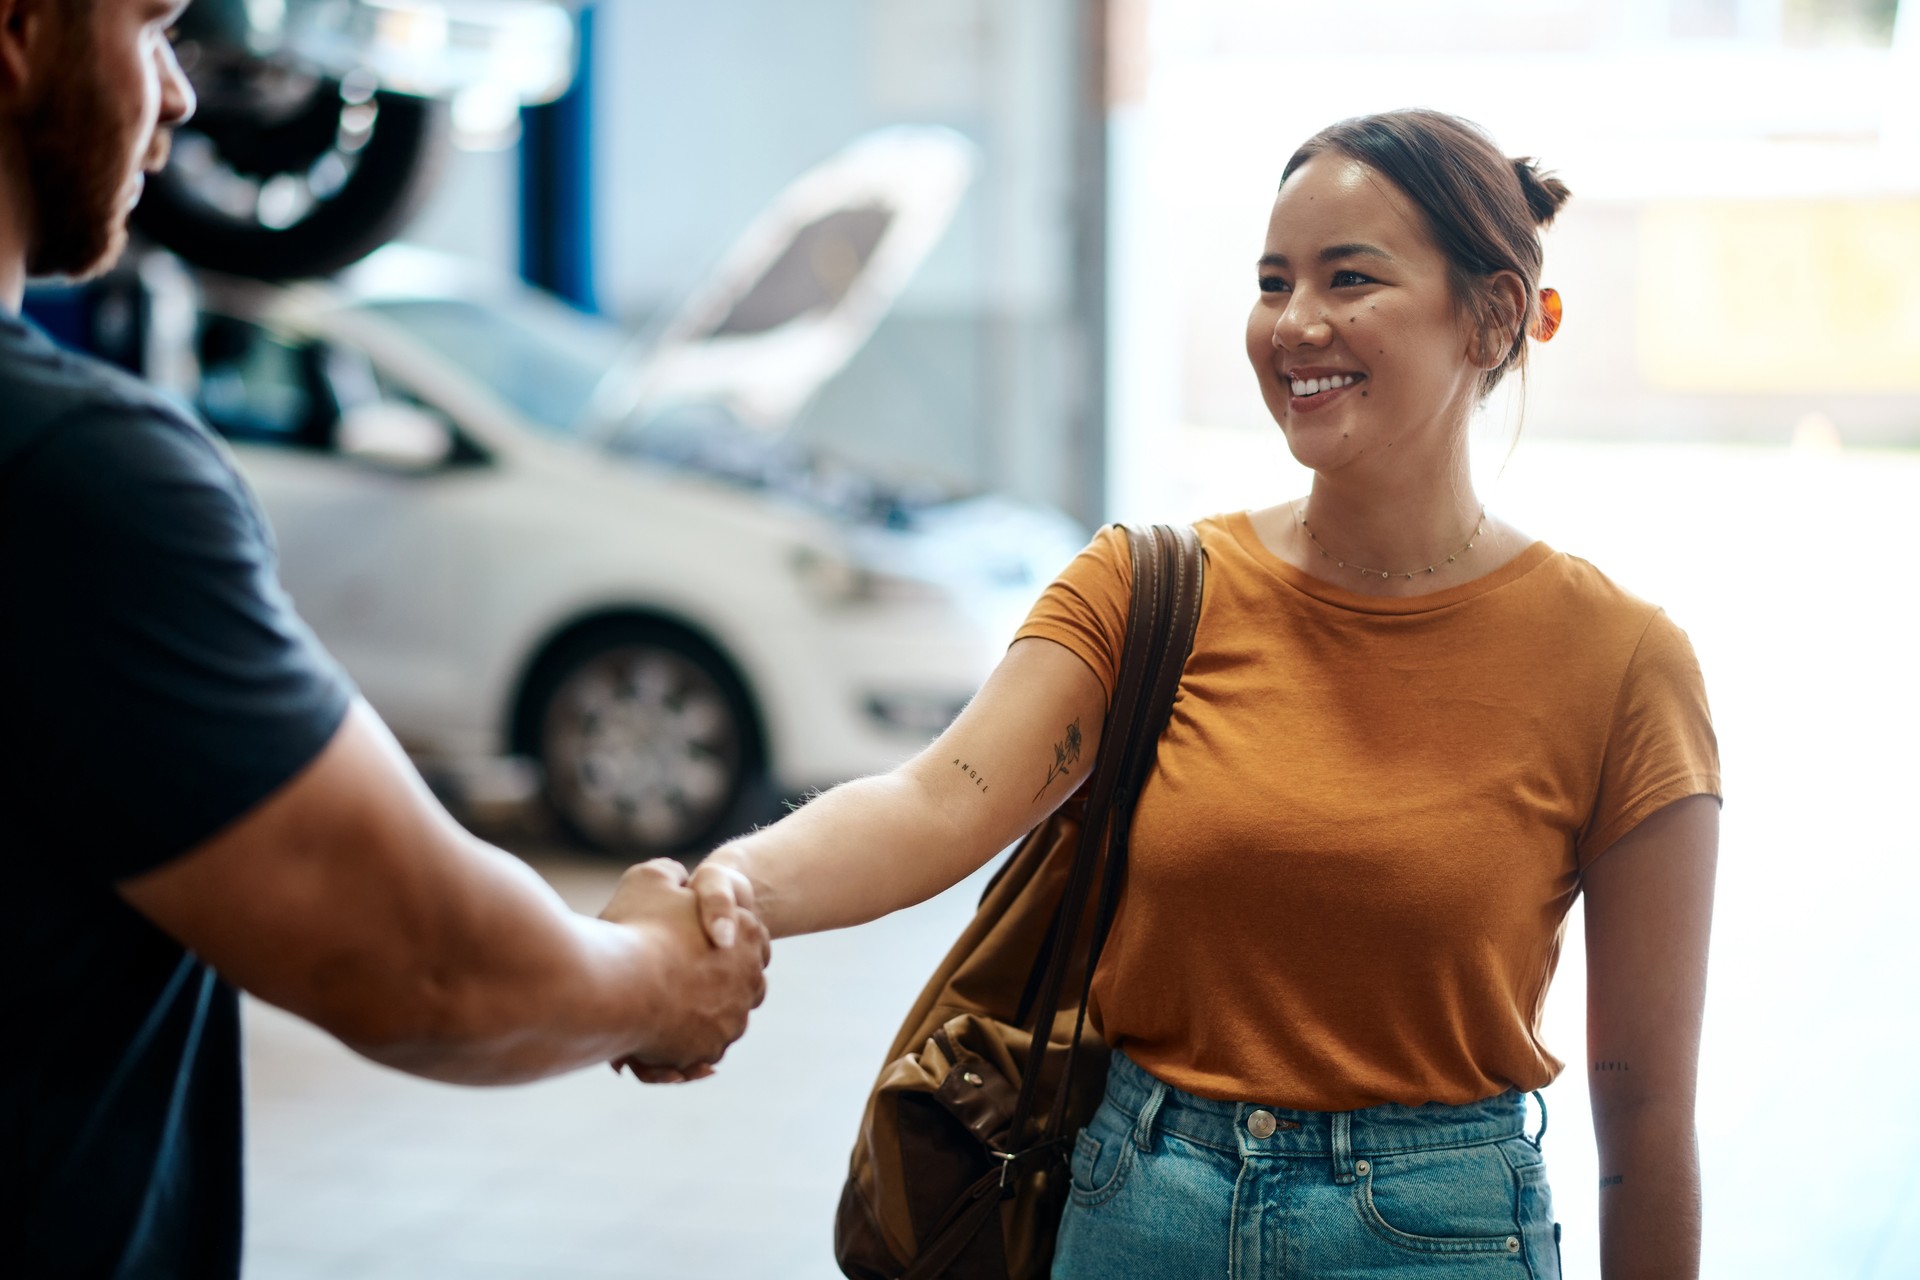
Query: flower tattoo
{"type": "Point", "coordinates": [1066, 753]}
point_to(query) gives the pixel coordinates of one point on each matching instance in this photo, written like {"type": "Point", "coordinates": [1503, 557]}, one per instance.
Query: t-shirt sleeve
{"type": "Point", "coordinates": [1086, 607]}
{"type": "Point", "coordinates": [165, 685]}
{"type": "Point", "coordinates": [1661, 746]}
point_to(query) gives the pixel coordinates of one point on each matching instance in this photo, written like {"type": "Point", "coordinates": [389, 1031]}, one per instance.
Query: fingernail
{"type": "Point", "coordinates": [723, 932]}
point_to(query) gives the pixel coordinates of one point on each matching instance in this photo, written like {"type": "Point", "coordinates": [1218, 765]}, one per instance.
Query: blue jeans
{"type": "Point", "coordinates": [1169, 1186]}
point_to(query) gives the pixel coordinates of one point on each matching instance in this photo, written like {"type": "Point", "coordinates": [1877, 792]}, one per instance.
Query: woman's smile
{"type": "Point", "coordinates": [1314, 389]}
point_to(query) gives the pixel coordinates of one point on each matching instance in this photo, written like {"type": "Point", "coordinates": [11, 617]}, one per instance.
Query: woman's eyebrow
{"type": "Point", "coordinates": [1331, 253]}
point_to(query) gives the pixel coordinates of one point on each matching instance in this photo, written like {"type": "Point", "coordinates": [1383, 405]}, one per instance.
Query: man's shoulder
{"type": "Point", "coordinates": [46, 387]}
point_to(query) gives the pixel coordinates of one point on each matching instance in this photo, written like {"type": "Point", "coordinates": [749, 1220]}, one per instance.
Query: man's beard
{"type": "Point", "coordinates": [76, 174]}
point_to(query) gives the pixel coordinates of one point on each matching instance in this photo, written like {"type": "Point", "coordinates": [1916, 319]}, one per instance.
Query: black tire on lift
{"type": "Point", "coordinates": [394, 173]}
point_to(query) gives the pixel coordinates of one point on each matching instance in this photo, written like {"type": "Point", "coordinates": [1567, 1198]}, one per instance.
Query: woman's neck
{"type": "Point", "coordinates": [1394, 531]}
{"type": "Point", "coordinates": [1382, 539]}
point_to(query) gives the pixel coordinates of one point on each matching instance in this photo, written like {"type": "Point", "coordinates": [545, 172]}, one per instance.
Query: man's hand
{"type": "Point", "coordinates": [707, 986]}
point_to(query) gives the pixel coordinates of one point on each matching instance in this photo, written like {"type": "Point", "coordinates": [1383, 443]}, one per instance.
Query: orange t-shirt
{"type": "Point", "coordinates": [1351, 865]}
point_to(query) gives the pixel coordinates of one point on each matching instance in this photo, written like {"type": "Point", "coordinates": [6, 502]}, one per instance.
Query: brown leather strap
{"type": "Point", "coordinates": [1165, 605]}
{"type": "Point", "coordinates": [1123, 710]}
{"type": "Point", "coordinates": [1161, 617]}
{"type": "Point", "coordinates": [1181, 572]}
{"type": "Point", "coordinates": [962, 1223]}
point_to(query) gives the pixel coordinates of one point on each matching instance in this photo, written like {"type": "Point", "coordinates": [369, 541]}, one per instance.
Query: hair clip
{"type": "Point", "coordinates": [1547, 322]}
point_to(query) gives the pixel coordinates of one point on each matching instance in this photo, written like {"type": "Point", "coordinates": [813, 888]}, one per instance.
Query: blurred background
{"type": "Point", "coordinates": [739, 372]}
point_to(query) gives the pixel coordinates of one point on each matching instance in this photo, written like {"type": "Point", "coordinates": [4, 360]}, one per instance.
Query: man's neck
{"type": "Point", "coordinates": [13, 239]}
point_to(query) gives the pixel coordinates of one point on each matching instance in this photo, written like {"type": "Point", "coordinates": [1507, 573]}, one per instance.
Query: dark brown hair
{"type": "Point", "coordinates": [1484, 210]}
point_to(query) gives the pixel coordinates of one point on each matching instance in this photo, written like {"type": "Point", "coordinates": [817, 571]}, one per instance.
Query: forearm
{"type": "Point", "coordinates": [503, 984]}
{"type": "Point", "coordinates": [1649, 1192]}
{"type": "Point", "coordinates": [858, 852]}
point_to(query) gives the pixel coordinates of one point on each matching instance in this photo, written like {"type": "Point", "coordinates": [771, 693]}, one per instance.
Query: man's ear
{"type": "Point", "coordinates": [26, 33]}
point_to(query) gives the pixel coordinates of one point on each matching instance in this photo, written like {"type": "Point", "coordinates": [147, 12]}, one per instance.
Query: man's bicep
{"type": "Point", "coordinates": [327, 892]}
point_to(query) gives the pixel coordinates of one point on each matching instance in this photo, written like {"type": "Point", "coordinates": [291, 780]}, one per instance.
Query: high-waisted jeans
{"type": "Point", "coordinates": [1169, 1186]}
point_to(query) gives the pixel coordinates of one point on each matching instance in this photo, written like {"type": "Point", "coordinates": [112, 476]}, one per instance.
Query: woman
{"type": "Point", "coordinates": [1408, 736]}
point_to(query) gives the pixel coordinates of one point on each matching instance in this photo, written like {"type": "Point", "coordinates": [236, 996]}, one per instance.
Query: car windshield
{"type": "Point", "coordinates": [542, 359]}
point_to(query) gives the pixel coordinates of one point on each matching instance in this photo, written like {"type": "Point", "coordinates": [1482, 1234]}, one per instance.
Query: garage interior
{"type": "Point", "coordinates": [1070, 344]}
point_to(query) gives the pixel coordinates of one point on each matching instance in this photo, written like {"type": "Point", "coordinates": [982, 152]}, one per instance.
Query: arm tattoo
{"type": "Point", "coordinates": [1066, 753]}
{"type": "Point", "coordinates": [1612, 1064]}
{"type": "Point", "coordinates": [1612, 1180]}
{"type": "Point", "coordinates": [971, 772]}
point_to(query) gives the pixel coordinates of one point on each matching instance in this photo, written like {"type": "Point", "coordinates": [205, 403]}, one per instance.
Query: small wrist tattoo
{"type": "Point", "coordinates": [971, 772]}
{"type": "Point", "coordinates": [1066, 753]}
{"type": "Point", "coordinates": [1611, 1064]}
{"type": "Point", "coordinates": [1612, 1180]}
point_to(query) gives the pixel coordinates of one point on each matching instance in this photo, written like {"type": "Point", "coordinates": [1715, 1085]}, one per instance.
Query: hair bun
{"type": "Point", "coordinates": [1544, 192]}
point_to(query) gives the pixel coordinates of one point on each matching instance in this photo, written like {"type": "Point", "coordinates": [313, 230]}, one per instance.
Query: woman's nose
{"type": "Point", "coordinates": [1295, 327]}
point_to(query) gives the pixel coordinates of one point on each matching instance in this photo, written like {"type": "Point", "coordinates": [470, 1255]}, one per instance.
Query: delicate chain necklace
{"type": "Point", "coordinates": [1301, 515]}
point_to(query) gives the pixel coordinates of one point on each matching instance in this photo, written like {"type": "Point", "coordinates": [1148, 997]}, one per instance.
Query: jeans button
{"type": "Point", "coordinates": [1513, 1244]}
{"type": "Point", "coordinates": [1362, 1168]}
{"type": "Point", "coordinates": [1261, 1124]}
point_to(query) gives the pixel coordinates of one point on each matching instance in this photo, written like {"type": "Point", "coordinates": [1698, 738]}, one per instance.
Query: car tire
{"type": "Point", "coordinates": [386, 180]}
{"type": "Point", "coordinates": [646, 740]}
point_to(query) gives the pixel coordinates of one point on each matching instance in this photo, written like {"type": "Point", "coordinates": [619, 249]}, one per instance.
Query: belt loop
{"type": "Point", "coordinates": [1343, 1172]}
{"type": "Point", "coordinates": [1149, 1112]}
{"type": "Point", "coordinates": [1539, 1137]}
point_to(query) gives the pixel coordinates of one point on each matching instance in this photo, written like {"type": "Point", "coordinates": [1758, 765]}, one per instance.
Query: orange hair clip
{"type": "Point", "coordinates": [1547, 322]}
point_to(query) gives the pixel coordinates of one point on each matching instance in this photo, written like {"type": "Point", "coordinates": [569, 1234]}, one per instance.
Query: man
{"type": "Point", "coordinates": [189, 787]}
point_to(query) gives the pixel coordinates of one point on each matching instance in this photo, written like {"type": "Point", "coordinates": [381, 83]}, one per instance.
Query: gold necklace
{"type": "Point", "coordinates": [1301, 515]}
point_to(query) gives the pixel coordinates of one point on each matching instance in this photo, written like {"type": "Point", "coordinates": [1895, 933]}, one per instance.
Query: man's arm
{"type": "Point", "coordinates": [351, 897]}
{"type": "Point", "coordinates": [1649, 903]}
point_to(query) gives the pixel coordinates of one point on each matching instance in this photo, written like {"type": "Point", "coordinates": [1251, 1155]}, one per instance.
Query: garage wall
{"type": "Point", "coordinates": [708, 110]}
{"type": "Point", "coordinates": [475, 210]}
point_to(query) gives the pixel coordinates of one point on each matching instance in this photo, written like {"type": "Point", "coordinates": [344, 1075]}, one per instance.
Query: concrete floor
{"type": "Point", "coordinates": [357, 1171]}
{"type": "Point", "coordinates": [1793, 572]}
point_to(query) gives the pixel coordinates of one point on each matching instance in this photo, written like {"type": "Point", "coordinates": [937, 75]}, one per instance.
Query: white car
{"type": "Point", "coordinates": [525, 538]}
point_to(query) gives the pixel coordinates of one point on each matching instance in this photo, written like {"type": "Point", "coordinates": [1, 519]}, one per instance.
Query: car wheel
{"type": "Point", "coordinates": [646, 741]}
{"type": "Point", "coordinates": [285, 175]}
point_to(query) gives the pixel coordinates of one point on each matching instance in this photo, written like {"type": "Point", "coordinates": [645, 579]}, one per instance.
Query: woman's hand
{"type": "Point", "coordinates": [725, 895]}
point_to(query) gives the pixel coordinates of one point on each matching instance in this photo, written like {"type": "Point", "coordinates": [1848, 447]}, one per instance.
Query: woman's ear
{"type": "Point", "coordinates": [1502, 316]}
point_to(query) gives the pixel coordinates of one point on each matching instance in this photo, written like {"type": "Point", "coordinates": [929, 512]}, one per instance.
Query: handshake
{"type": "Point", "coordinates": [707, 951]}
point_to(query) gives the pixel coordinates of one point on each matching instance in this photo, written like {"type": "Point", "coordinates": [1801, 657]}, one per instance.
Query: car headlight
{"type": "Point", "coordinates": [838, 581]}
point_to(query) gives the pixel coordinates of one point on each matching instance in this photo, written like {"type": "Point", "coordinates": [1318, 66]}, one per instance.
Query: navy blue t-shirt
{"type": "Point", "coordinates": [155, 685]}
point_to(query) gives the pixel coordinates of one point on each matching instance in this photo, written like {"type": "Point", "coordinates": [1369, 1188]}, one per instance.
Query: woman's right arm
{"type": "Point", "coordinates": [877, 844]}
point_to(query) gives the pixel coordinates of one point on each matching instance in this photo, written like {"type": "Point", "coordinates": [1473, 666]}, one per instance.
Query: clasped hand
{"type": "Point", "coordinates": [710, 955]}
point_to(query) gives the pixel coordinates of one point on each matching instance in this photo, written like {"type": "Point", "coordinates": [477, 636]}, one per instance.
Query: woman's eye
{"type": "Point", "coordinates": [1344, 279]}
{"type": "Point", "coordinates": [1272, 284]}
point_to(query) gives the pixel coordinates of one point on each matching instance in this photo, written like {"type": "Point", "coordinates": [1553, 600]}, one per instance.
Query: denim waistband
{"type": "Point", "coordinates": [1255, 1129]}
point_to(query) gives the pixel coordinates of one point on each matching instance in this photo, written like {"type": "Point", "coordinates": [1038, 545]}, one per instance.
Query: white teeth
{"type": "Point", "coordinates": [1314, 386]}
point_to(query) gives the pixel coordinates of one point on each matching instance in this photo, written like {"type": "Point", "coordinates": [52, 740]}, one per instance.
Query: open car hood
{"type": "Point", "coordinates": [803, 288]}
